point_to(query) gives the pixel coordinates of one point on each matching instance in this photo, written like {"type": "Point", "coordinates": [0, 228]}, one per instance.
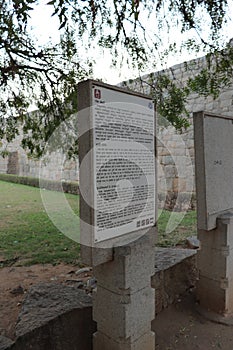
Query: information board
{"type": "Point", "coordinates": [123, 162]}
{"type": "Point", "coordinates": [214, 167]}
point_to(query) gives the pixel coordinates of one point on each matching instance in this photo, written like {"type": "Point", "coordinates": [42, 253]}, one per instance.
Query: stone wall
{"type": "Point", "coordinates": [176, 183]}
{"type": "Point", "coordinates": [20, 163]}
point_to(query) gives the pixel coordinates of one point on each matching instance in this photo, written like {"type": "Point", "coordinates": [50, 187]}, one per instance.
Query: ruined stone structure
{"type": "Point", "coordinates": [175, 150]}
{"type": "Point", "coordinates": [19, 163]}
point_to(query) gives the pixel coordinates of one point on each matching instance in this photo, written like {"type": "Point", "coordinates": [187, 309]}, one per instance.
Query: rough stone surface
{"type": "Point", "coordinates": [193, 242]}
{"type": "Point", "coordinates": [55, 317]}
{"type": "Point", "coordinates": [215, 285]}
{"type": "Point", "coordinates": [13, 163]}
{"type": "Point", "coordinates": [145, 342]}
{"type": "Point", "coordinates": [5, 343]}
{"type": "Point", "coordinates": [132, 313]}
{"type": "Point", "coordinates": [175, 273]}
{"type": "Point", "coordinates": [168, 257]}
{"type": "Point", "coordinates": [132, 267]}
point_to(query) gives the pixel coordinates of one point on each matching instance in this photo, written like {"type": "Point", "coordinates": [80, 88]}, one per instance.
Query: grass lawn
{"type": "Point", "coordinates": [28, 234]}
{"type": "Point", "coordinates": [183, 225]}
{"type": "Point", "coordinates": [26, 231]}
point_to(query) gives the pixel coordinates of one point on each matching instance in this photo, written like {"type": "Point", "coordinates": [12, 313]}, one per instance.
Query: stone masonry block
{"type": "Point", "coordinates": [165, 184]}
{"type": "Point", "coordinates": [123, 316]}
{"type": "Point", "coordinates": [225, 103]}
{"type": "Point", "coordinates": [157, 283]}
{"type": "Point", "coordinates": [170, 171]}
{"type": "Point", "coordinates": [179, 151]}
{"type": "Point", "coordinates": [218, 237]}
{"type": "Point", "coordinates": [229, 298]}
{"type": "Point", "coordinates": [210, 295]}
{"type": "Point", "coordinates": [167, 160]}
{"type": "Point", "coordinates": [163, 151]}
{"type": "Point", "coordinates": [131, 268]}
{"type": "Point", "coordinates": [179, 185]}
{"type": "Point", "coordinates": [211, 263]}
{"type": "Point", "coordinates": [216, 263]}
{"type": "Point", "coordinates": [103, 342]}
{"type": "Point", "coordinates": [226, 95]}
{"type": "Point", "coordinates": [175, 273]}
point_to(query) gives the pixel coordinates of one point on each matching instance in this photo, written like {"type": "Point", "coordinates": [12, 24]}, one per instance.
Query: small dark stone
{"type": "Point", "coordinates": [193, 242]}
{"type": "Point", "coordinates": [83, 270]}
{"type": "Point", "coordinates": [17, 291]}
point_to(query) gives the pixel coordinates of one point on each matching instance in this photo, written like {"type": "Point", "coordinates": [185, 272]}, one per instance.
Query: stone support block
{"type": "Point", "coordinates": [132, 267]}
{"type": "Point", "coordinates": [123, 305]}
{"type": "Point", "coordinates": [145, 342]}
{"type": "Point", "coordinates": [219, 237]}
{"type": "Point", "coordinates": [210, 295]}
{"type": "Point", "coordinates": [215, 265]}
{"type": "Point", "coordinates": [160, 294]}
{"type": "Point", "coordinates": [212, 263]}
{"type": "Point", "coordinates": [125, 315]}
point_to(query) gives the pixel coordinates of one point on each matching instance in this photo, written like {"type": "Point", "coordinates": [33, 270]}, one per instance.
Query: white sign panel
{"type": "Point", "coordinates": [214, 167]}
{"type": "Point", "coordinates": [124, 163]}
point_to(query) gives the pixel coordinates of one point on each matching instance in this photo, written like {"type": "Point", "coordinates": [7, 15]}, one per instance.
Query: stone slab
{"type": "Point", "coordinates": [55, 316]}
{"type": "Point", "coordinates": [213, 138]}
{"type": "Point", "coordinates": [167, 257]}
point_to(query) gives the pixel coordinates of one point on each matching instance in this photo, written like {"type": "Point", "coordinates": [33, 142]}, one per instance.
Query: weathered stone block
{"type": "Point", "coordinates": [175, 273]}
{"type": "Point", "coordinates": [168, 160]}
{"type": "Point", "coordinates": [126, 315]}
{"type": "Point", "coordinates": [54, 317]}
{"type": "Point", "coordinates": [210, 295]}
{"type": "Point", "coordinates": [132, 267]}
{"type": "Point", "coordinates": [145, 342]}
{"type": "Point", "coordinates": [170, 171]}
{"type": "Point", "coordinates": [179, 185]}
{"type": "Point", "coordinates": [219, 237]}
{"type": "Point", "coordinates": [212, 263]}
{"type": "Point", "coordinates": [160, 293]}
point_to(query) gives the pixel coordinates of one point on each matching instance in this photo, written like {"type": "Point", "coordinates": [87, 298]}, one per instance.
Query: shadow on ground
{"type": "Point", "coordinates": [181, 327]}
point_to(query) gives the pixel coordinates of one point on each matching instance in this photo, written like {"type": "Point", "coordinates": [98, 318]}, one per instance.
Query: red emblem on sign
{"type": "Point", "coordinates": [97, 93]}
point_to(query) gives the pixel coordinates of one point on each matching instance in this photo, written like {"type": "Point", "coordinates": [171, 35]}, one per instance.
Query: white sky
{"type": "Point", "coordinates": [45, 28]}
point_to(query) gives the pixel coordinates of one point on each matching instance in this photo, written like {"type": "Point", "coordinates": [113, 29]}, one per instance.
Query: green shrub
{"type": "Point", "coordinates": [61, 186]}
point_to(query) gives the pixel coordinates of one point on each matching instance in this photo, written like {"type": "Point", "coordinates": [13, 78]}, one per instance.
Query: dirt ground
{"type": "Point", "coordinates": [179, 327]}
{"type": "Point", "coordinates": [16, 281]}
